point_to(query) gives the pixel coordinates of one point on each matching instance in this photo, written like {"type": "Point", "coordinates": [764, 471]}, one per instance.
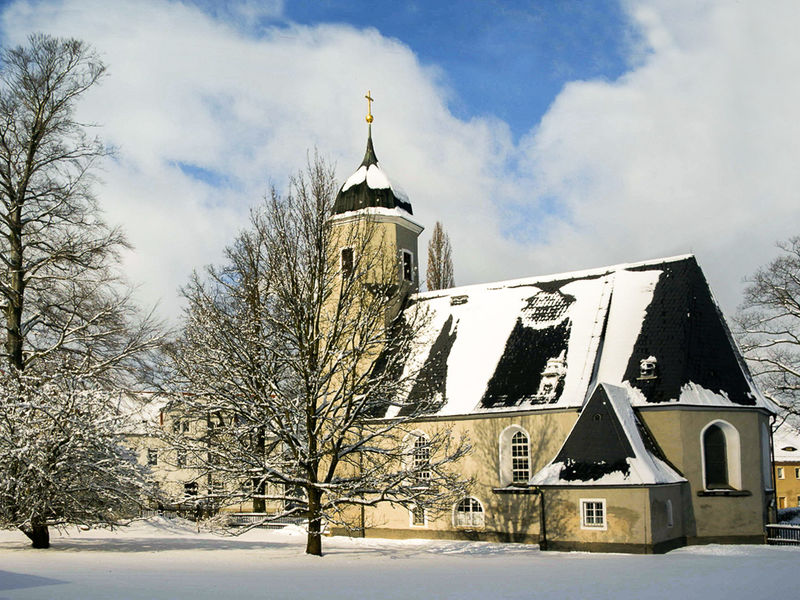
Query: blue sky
{"type": "Point", "coordinates": [547, 136]}
{"type": "Point", "coordinates": [506, 59]}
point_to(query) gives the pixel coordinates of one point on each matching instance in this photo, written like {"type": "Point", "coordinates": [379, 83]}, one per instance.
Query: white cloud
{"type": "Point", "coordinates": [693, 149]}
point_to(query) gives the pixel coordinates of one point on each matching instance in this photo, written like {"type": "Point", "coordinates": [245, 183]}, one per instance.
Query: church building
{"type": "Point", "coordinates": [608, 409]}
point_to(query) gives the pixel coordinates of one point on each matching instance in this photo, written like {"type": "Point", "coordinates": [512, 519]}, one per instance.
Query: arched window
{"type": "Point", "coordinates": [520, 463]}
{"type": "Point", "coordinates": [469, 513]}
{"type": "Point", "coordinates": [721, 456]}
{"type": "Point", "coordinates": [716, 458]}
{"type": "Point", "coordinates": [515, 455]}
{"type": "Point", "coordinates": [421, 459]}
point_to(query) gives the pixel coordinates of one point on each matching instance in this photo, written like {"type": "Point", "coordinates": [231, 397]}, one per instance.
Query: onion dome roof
{"type": "Point", "coordinates": [369, 187]}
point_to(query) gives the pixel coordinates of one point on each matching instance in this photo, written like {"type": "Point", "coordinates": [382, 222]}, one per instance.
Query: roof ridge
{"type": "Point", "coordinates": [577, 274]}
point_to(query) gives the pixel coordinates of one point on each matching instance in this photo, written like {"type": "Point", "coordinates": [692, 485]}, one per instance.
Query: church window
{"type": "Point", "coordinates": [408, 266]}
{"type": "Point", "coordinates": [347, 262]}
{"type": "Point", "coordinates": [721, 456]}
{"type": "Point", "coordinates": [670, 516]}
{"type": "Point", "coordinates": [593, 513]}
{"type": "Point", "coordinates": [515, 455]}
{"type": "Point", "coordinates": [716, 458]}
{"type": "Point", "coordinates": [780, 473]}
{"type": "Point", "coordinates": [469, 513]}
{"type": "Point", "coordinates": [152, 456]}
{"type": "Point", "coordinates": [520, 463]}
{"type": "Point", "coordinates": [421, 459]}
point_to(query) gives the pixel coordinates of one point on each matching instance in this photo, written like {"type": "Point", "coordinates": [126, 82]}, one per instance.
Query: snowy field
{"type": "Point", "coordinates": [159, 559]}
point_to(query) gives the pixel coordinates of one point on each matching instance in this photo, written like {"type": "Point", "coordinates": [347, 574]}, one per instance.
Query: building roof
{"type": "Point", "coordinates": [786, 443]}
{"type": "Point", "coordinates": [546, 342]}
{"type": "Point", "coordinates": [370, 187]}
{"type": "Point", "coordinates": [608, 445]}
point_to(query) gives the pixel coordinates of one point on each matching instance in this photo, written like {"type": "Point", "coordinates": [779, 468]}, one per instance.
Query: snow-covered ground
{"type": "Point", "coordinates": [162, 559]}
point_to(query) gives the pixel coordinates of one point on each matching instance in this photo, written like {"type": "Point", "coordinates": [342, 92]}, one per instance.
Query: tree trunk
{"type": "Point", "coordinates": [39, 536]}
{"type": "Point", "coordinates": [14, 298]}
{"type": "Point", "coordinates": [314, 542]}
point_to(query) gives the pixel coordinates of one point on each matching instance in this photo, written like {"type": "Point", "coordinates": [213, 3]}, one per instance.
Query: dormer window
{"type": "Point", "coordinates": [554, 372]}
{"type": "Point", "coordinates": [647, 368]}
{"type": "Point", "coordinates": [408, 266]}
{"type": "Point", "coordinates": [346, 258]}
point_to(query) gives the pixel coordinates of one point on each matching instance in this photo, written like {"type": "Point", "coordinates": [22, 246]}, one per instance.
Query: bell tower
{"type": "Point", "coordinates": [369, 204]}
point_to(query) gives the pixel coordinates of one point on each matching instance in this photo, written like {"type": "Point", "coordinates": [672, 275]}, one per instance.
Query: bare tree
{"type": "Point", "coordinates": [769, 327]}
{"type": "Point", "coordinates": [440, 260]}
{"type": "Point", "coordinates": [292, 360]}
{"type": "Point", "coordinates": [67, 312]}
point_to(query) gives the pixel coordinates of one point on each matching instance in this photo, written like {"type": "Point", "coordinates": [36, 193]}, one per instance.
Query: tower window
{"type": "Point", "coordinates": [347, 261]}
{"type": "Point", "coordinates": [408, 266]}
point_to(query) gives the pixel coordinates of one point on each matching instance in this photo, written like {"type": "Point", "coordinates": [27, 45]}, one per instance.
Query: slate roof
{"type": "Point", "coordinates": [608, 445]}
{"type": "Point", "coordinates": [369, 187]}
{"type": "Point", "coordinates": [545, 342]}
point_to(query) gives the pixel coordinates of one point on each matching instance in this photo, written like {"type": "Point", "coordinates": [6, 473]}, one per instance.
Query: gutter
{"type": "Point", "coordinates": [530, 491]}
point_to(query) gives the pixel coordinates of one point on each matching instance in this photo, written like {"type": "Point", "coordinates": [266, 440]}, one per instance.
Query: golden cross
{"type": "Point", "coordinates": [369, 106]}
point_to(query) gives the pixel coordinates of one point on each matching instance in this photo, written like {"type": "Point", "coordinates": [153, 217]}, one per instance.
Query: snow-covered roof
{"type": "Point", "coordinates": [369, 187]}
{"type": "Point", "coordinates": [140, 413]}
{"type": "Point", "coordinates": [607, 446]}
{"type": "Point", "coordinates": [786, 443]}
{"type": "Point", "coordinates": [545, 342]}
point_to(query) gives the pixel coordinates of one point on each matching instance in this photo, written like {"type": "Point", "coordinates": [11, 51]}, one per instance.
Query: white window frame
{"type": "Point", "coordinates": [411, 522]}
{"type": "Point", "coordinates": [410, 441]}
{"type": "Point", "coordinates": [797, 472]}
{"type": "Point", "coordinates": [733, 454]}
{"type": "Point", "coordinates": [471, 525]}
{"type": "Point", "coordinates": [781, 473]}
{"type": "Point", "coordinates": [584, 502]}
{"type": "Point", "coordinates": [506, 462]}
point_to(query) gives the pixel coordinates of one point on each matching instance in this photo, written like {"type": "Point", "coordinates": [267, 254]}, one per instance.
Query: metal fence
{"type": "Point", "coordinates": [783, 535]}
{"type": "Point", "coordinates": [261, 521]}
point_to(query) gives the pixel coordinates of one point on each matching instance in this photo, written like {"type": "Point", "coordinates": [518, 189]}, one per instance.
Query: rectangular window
{"type": "Point", "coordinates": [781, 501]}
{"type": "Point", "coordinates": [408, 266]}
{"type": "Point", "coordinates": [422, 460]}
{"type": "Point", "coordinates": [797, 472]}
{"type": "Point", "coordinates": [189, 490]}
{"type": "Point", "coordinates": [418, 516]}
{"type": "Point", "coordinates": [180, 458]}
{"type": "Point", "coordinates": [593, 513]}
{"type": "Point", "coordinates": [152, 456]}
{"type": "Point", "coordinates": [347, 262]}
{"type": "Point", "coordinates": [780, 472]}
